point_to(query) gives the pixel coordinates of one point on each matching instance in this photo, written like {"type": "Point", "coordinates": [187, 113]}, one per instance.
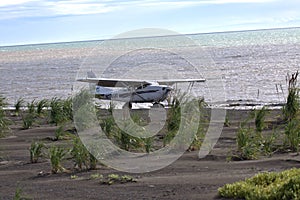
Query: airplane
{"type": "Point", "coordinates": [133, 90]}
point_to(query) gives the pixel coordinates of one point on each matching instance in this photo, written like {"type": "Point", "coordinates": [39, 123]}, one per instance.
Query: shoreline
{"type": "Point", "coordinates": [226, 106]}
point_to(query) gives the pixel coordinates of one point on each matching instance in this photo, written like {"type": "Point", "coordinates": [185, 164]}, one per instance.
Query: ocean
{"type": "Point", "coordinates": [245, 68]}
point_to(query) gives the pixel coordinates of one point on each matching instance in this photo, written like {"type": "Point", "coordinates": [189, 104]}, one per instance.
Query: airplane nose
{"type": "Point", "coordinates": [168, 89]}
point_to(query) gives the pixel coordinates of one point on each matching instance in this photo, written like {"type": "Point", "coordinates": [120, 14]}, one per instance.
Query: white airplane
{"type": "Point", "coordinates": [133, 90]}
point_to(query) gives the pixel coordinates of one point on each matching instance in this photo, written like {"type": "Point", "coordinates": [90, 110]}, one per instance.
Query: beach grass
{"type": "Point", "coordinates": [4, 120]}
{"type": "Point", "coordinates": [18, 105]}
{"type": "Point", "coordinates": [36, 151]}
{"type": "Point", "coordinates": [57, 154]}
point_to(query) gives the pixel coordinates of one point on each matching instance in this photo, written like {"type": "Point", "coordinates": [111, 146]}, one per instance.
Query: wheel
{"type": "Point", "coordinates": [128, 104]}
{"type": "Point", "coordinates": [157, 105]}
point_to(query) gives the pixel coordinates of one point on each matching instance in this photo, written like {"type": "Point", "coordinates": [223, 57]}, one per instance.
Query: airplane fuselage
{"type": "Point", "coordinates": [143, 94]}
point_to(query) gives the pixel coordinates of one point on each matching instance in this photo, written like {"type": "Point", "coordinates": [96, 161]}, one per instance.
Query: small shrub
{"type": "Point", "coordinates": [36, 151]}
{"type": "Point", "coordinates": [115, 178]}
{"type": "Point", "coordinates": [74, 177]}
{"type": "Point", "coordinates": [96, 176]}
{"type": "Point", "coordinates": [267, 185]}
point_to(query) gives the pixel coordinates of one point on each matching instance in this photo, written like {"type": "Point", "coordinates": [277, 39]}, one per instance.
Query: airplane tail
{"type": "Point", "coordinates": [91, 74]}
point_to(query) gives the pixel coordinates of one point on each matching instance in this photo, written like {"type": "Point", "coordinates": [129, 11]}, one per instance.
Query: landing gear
{"type": "Point", "coordinates": [157, 105]}
{"type": "Point", "coordinates": [128, 104]}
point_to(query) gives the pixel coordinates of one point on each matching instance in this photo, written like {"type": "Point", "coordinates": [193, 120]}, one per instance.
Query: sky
{"type": "Point", "coordinates": [47, 21]}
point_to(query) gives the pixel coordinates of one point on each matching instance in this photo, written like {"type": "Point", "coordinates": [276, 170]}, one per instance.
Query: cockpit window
{"type": "Point", "coordinates": [143, 86]}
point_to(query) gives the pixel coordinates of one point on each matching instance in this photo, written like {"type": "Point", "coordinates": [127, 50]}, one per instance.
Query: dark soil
{"type": "Point", "coordinates": [187, 178]}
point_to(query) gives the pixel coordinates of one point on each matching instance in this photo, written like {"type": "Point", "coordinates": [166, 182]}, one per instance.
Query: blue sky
{"type": "Point", "coordinates": [43, 21]}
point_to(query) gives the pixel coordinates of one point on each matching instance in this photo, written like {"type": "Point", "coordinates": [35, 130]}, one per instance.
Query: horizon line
{"type": "Point", "coordinates": [157, 36]}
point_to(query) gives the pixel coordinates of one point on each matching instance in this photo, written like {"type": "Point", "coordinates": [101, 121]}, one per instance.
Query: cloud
{"type": "Point", "coordinates": [50, 8]}
{"type": "Point", "coordinates": [14, 2]}
{"type": "Point", "coordinates": [54, 8]}
{"type": "Point", "coordinates": [79, 7]}
{"type": "Point", "coordinates": [197, 3]}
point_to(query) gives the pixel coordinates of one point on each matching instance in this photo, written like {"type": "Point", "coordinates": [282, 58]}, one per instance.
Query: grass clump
{"type": "Point", "coordinates": [31, 107]}
{"type": "Point", "coordinates": [260, 116]}
{"type": "Point", "coordinates": [4, 121]}
{"type": "Point", "coordinates": [268, 144]}
{"type": "Point", "coordinates": [82, 157]}
{"type": "Point", "coordinates": [19, 194]}
{"type": "Point", "coordinates": [108, 124]}
{"type": "Point", "coordinates": [247, 143]}
{"type": "Point", "coordinates": [18, 105]}
{"type": "Point", "coordinates": [267, 185]}
{"type": "Point", "coordinates": [60, 111]}
{"type": "Point", "coordinates": [173, 120]}
{"type": "Point", "coordinates": [61, 133]}
{"type": "Point", "coordinates": [57, 154]}
{"type": "Point", "coordinates": [148, 144]}
{"type": "Point", "coordinates": [291, 115]}
{"type": "Point", "coordinates": [127, 141]}
{"type": "Point", "coordinates": [291, 107]}
{"type": "Point", "coordinates": [36, 151]}
{"type": "Point", "coordinates": [80, 154]}
{"type": "Point", "coordinates": [28, 120]}
{"type": "Point", "coordinates": [227, 122]}
{"type": "Point", "coordinates": [40, 106]}
{"type": "Point", "coordinates": [292, 135]}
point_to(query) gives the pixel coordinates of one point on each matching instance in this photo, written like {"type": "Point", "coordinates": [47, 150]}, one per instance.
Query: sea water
{"type": "Point", "coordinates": [252, 66]}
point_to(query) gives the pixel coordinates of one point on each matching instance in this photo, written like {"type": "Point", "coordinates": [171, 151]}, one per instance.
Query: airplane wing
{"type": "Point", "coordinates": [173, 81]}
{"type": "Point", "coordinates": [108, 82]}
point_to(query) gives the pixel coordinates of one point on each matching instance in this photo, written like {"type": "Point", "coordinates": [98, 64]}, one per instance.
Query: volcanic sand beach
{"type": "Point", "coordinates": [186, 178]}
